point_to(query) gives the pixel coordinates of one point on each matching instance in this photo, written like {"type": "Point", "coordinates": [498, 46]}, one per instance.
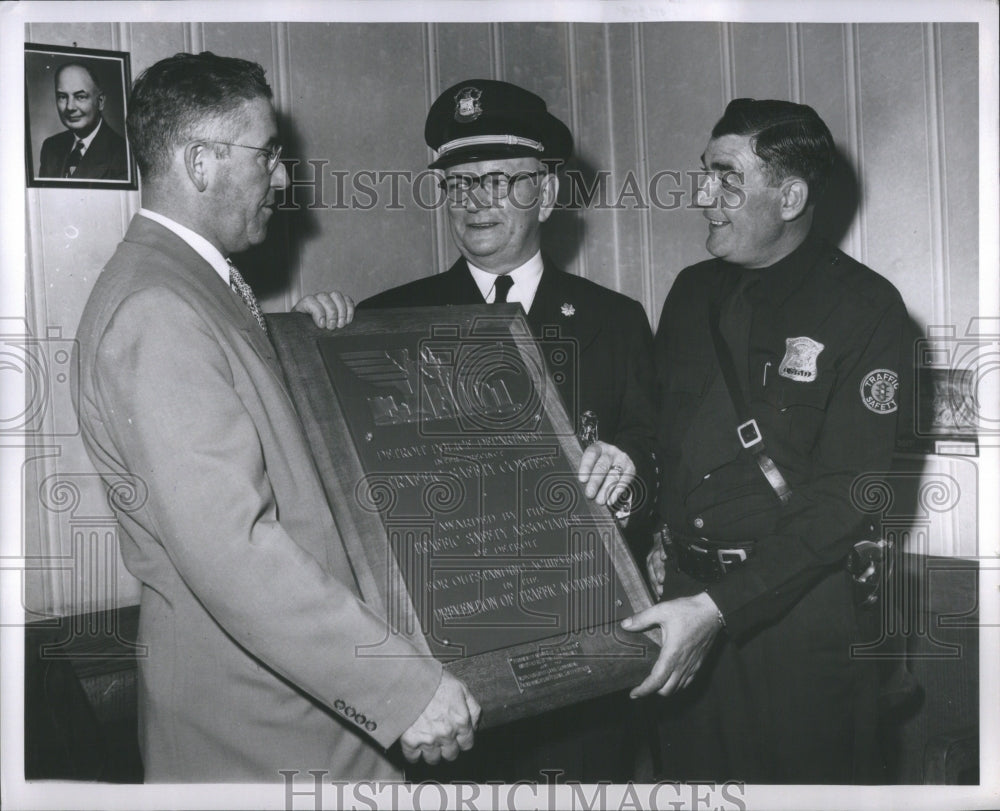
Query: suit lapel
{"type": "Point", "coordinates": [560, 301]}
{"type": "Point", "coordinates": [461, 287]}
{"type": "Point", "coordinates": [96, 157]}
{"type": "Point", "coordinates": [209, 286]}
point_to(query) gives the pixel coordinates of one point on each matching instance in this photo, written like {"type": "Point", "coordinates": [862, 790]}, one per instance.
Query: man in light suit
{"type": "Point", "coordinates": [249, 611]}
{"type": "Point", "coordinates": [89, 149]}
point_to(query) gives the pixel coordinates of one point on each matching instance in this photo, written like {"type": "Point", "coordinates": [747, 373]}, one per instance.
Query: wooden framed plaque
{"type": "Point", "coordinates": [450, 466]}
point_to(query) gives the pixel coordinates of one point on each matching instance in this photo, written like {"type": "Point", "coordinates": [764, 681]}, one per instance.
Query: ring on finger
{"type": "Point", "coordinates": [617, 468]}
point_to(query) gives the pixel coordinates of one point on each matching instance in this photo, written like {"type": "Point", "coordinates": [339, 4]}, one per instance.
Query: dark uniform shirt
{"type": "Point", "coordinates": [821, 368]}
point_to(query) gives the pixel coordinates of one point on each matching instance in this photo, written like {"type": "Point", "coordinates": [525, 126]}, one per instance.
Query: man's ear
{"type": "Point", "coordinates": [794, 198]}
{"type": "Point", "coordinates": [100, 102]}
{"type": "Point", "coordinates": [198, 164]}
{"type": "Point", "coordinates": [550, 191]}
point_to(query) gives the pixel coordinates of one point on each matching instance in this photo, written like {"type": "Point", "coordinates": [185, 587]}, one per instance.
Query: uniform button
{"type": "Point", "coordinates": [706, 476]}
{"type": "Point", "coordinates": [699, 522]}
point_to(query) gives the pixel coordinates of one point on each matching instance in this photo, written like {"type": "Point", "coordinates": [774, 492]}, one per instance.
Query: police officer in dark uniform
{"type": "Point", "coordinates": [498, 146]}
{"type": "Point", "coordinates": [779, 368]}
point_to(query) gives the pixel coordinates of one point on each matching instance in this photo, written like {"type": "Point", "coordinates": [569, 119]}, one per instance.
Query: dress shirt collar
{"type": "Point", "coordinates": [205, 249]}
{"type": "Point", "coordinates": [525, 278]}
{"type": "Point", "coordinates": [89, 139]}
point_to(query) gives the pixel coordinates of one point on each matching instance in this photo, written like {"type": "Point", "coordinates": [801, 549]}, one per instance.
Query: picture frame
{"type": "Point", "coordinates": [93, 101]}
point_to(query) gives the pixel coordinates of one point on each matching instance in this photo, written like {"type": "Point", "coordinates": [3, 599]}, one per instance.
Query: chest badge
{"type": "Point", "coordinates": [799, 362]}
{"type": "Point", "coordinates": [567, 309]}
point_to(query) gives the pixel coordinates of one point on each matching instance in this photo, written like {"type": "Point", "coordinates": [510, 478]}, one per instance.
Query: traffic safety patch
{"type": "Point", "coordinates": [878, 390]}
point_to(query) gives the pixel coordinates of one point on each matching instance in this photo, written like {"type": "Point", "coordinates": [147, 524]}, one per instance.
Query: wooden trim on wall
{"type": "Point", "coordinates": [936, 174]}
{"type": "Point", "coordinates": [858, 231]}
{"type": "Point", "coordinates": [642, 155]}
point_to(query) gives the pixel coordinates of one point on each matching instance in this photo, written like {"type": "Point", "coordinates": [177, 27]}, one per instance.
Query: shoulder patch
{"type": "Point", "coordinates": [878, 391]}
{"type": "Point", "coordinates": [799, 362]}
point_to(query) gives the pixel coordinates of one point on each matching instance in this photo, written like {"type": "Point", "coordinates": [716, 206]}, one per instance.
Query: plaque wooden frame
{"type": "Point", "coordinates": [612, 658]}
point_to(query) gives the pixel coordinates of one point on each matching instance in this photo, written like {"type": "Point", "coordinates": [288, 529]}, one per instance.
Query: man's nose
{"type": "Point", "coordinates": [476, 199]}
{"type": "Point", "coordinates": [279, 177]}
{"type": "Point", "coordinates": [708, 191]}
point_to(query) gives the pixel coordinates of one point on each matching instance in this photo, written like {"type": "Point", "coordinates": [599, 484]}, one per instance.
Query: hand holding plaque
{"type": "Point", "coordinates": [606, 470]}
{"type": "Point", "coordinates": [445, 727]}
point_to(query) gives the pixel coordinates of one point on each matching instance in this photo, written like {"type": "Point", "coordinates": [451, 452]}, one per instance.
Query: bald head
{"type": "Point", "coordinates": [79, 99]}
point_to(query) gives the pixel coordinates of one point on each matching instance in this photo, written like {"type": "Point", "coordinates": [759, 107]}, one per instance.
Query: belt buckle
{"type": "Point", "coordinates": [731, 557]}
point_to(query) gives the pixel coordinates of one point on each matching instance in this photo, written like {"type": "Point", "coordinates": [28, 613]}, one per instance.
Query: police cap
{"type": "Point", "coordinates": [483, 119]}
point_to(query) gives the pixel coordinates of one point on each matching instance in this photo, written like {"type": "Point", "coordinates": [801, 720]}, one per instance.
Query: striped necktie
{"type": "Point", "coordinates": [75, 156]}
{"type": "Point", "coordinates": [243, 290]}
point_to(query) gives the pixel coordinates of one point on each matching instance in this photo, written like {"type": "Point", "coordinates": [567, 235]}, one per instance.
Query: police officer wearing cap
{"type": "Point", "coordinates": [498, 147]}
{"type": "Point", "coordinates": [779, 366]}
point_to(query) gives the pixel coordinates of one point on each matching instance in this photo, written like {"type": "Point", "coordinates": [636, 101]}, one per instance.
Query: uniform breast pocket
{"type": "Point", "coordinates": [796, 410]}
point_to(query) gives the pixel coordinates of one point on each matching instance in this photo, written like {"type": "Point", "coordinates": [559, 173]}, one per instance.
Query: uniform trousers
{"type": "Point", "coordinates": [790, 704]}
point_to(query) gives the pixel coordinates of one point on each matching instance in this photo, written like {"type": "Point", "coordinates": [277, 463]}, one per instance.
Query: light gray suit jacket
{"type": "Point", "coordinates": [261, 655]}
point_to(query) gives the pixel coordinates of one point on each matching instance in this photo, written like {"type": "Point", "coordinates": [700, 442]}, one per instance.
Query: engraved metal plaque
{"type": "Point", "coordinates": [450, 466]}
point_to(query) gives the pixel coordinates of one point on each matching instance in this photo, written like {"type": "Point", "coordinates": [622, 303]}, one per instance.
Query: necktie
{"type": "Point", "coordinates": [734, 321]}
{"type": "Point", "coordinates": [74, 159]}
{"type": "Point", "coordinates": [243, 290]}
{"type": "Point", "coordinates": [502, 286]}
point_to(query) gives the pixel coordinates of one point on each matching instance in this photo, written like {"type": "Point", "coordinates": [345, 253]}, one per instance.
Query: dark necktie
{"type": "Point", "coordinates": [243, 290]}
{"type": "Point", "coordinates": [74, 159]}
{"type": "Point", "coordinates": [734, 321]}
{"type": "Point", "coordinates": [502, 286]}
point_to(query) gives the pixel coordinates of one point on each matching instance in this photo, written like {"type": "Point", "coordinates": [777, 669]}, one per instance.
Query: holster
{"type": "Point", "coordinates": [870, 564]}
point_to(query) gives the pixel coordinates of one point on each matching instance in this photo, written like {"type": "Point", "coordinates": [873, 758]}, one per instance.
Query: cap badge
{"type": "Point", "coordinates": [799, 363]}
{"type": "Point", "coordinates": [878, 391]}
{"type": "Point", "coordinates": [467, 106]}
{"type": "Point", "coordinates": [567, 309]}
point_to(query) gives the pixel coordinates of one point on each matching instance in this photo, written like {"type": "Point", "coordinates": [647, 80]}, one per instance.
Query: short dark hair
{"type": "Point", "coordinates": [173, 100]}
{"type": "Point", "coordinates": [790, 139]}
{"type": "Point", "coordinates": [85, 68]}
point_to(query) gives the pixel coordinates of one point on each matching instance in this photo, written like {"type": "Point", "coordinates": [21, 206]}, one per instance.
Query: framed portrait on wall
{"type": "Point", "coordinates": [75, 106]}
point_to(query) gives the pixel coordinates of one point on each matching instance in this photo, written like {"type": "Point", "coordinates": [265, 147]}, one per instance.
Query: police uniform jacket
{"type": "Point", "coordinates": [250, 617]}
{"type": "Point", "coordinates": [821, 374]}
{"type": "Point", "coordinates": [609, 333]}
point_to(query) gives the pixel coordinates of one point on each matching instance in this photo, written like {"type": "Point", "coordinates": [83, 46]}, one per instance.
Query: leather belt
{"type": "Point", "coordinates": [705, 560]}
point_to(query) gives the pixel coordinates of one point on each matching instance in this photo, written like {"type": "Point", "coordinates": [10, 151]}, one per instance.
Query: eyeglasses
{"type": "Point", "coordinates": [495, 184]}
{"type": "Point", "coordinates": [273, 152]}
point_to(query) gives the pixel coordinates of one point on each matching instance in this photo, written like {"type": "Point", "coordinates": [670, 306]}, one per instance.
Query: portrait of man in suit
{"type": "Point", "coordinates": [89, 148]}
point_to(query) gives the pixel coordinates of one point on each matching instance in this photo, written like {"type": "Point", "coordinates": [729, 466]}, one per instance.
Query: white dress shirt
{"type": "Point", "coordinates": [525, 278]}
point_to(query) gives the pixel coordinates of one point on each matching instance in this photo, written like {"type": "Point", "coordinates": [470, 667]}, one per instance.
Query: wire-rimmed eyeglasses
{"type": "Point", "coordinates": [272, 152]}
